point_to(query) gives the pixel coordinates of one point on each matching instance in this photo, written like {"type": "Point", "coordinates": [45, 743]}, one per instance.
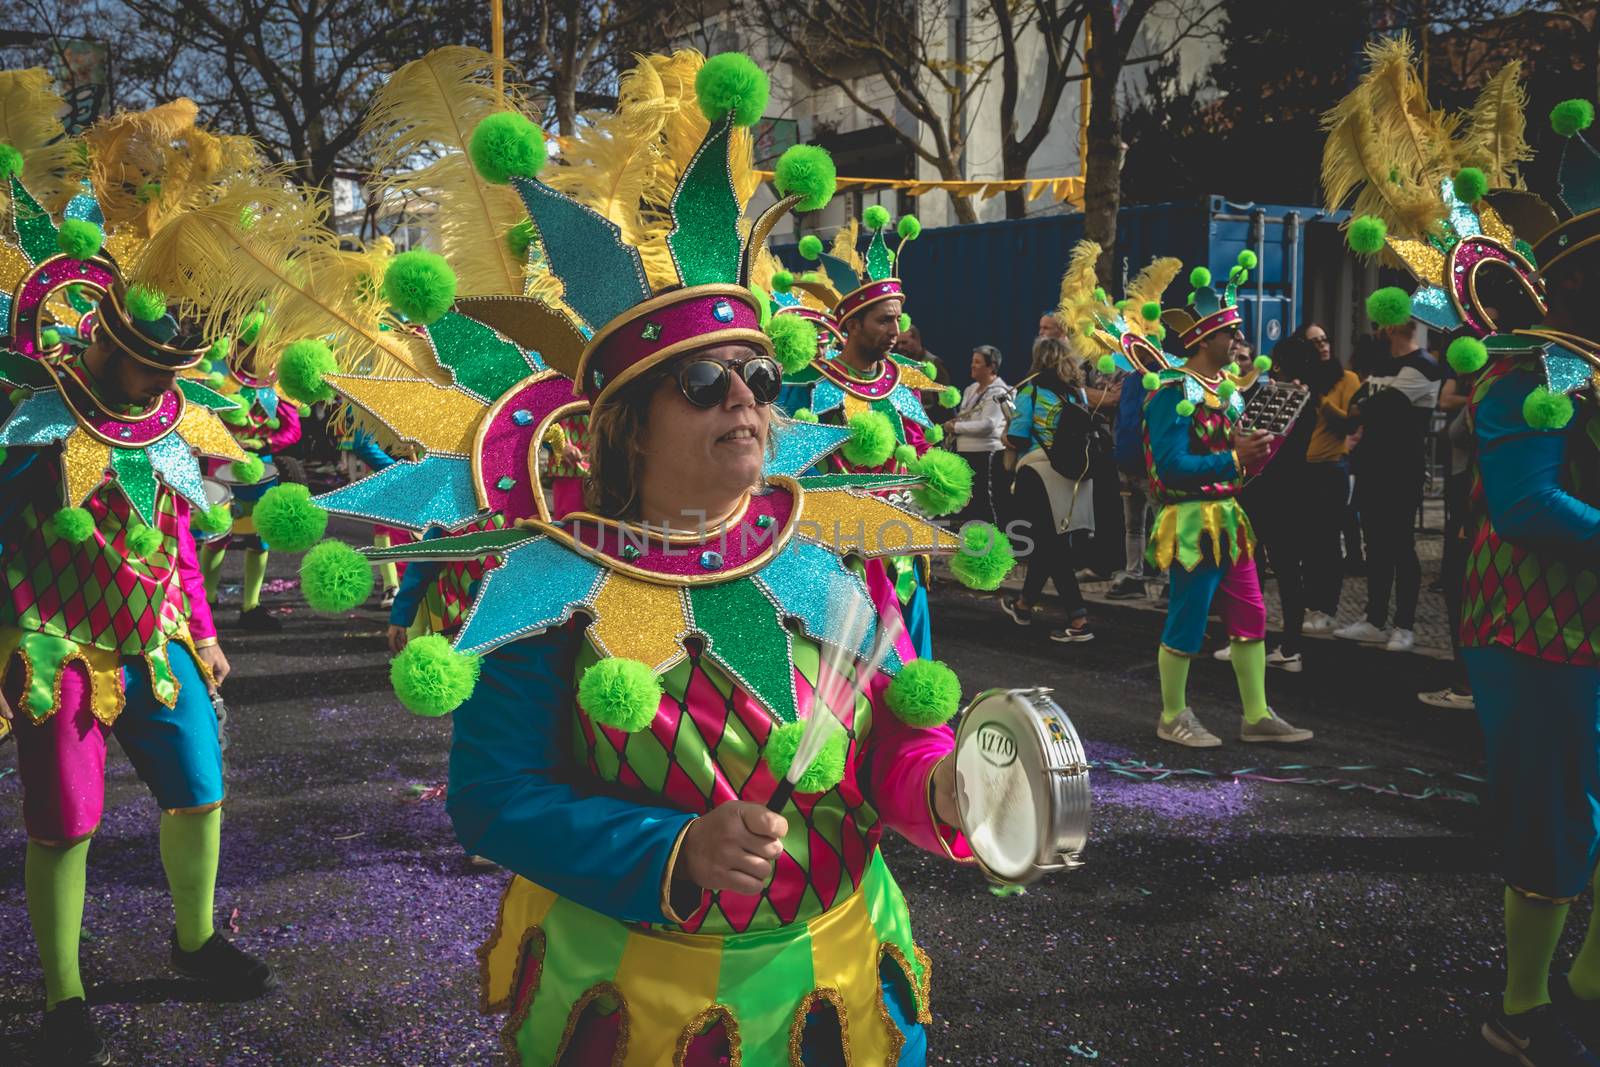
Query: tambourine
{"type": "Point", "coordinates": [1022, 785]}
{"type": "Point", "coordinates": [217, 492]}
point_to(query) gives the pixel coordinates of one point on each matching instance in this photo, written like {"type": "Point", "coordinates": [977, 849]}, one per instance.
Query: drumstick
{"type": "Point", "coordinates": [846, 632]}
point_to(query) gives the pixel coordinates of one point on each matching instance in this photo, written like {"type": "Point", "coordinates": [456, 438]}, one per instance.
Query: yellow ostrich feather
{"type": "Point", "coordinates": [763, 267]}
{"type": "Point", "coordinates": [1387, 145]}
{"type": "Point", "coordinates": [1493, 135]}
{"type": "Point", "coordinates": [844, 246]}
{"type": "Point", "coordinates": [29, 122]}
{"type": "Point", "coordinates": [430, 107]}
{"type": "Point", "coordinates": [153, 165]}
{"type": "Point", "coordinates": [287, 258]}
{"type": "Point", "coordinates": [1078, 284]}
{"type": "Point", "coordinates": [1148, 287]}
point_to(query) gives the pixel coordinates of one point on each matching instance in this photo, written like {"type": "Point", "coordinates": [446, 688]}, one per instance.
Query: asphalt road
{"type": "Point", "coordinates": [1218, 920]}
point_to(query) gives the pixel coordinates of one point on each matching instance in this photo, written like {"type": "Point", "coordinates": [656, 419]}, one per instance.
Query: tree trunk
{"type": "Point", "coordinates": [965, 212]}
{"type": "Point", "coordinates": [1102, 172]}
{"type": "Point", "coordinates": [1013, 167]}
{"type": "Point", "coordinates": [566, 104]}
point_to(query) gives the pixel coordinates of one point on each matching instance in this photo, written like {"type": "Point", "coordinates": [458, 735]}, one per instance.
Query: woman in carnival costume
{"type": "Point", "coordinates": [1530, 625]}
{"type": "Point", "coordinates": [859, 381]}
{"type": "Point", "coordinates": [1198, 459]}
{"type": "Point", "coordinates": [661, 913]}
{"type": "Point", "coordinates": [264, 423]}
{"type": "Point", "coordinates": [104, 627]}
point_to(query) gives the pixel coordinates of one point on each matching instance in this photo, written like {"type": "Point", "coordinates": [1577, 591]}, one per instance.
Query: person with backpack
{"type": "Point", "coordinates": [1054, 496]}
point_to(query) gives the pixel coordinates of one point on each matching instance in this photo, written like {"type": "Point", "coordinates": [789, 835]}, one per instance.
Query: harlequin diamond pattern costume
{"type": "Point", "coordinates": [103, 610]}
{"type": "Point", "coordinates": [699, 654]}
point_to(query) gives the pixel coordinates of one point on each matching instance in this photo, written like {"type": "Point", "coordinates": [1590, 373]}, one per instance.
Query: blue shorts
{"type": "Point", "coordinates": [1541, 730]}
{"type": "Point", "coordinates": [176, 751]}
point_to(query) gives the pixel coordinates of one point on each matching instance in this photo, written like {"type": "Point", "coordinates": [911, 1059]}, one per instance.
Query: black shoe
{"type": "Point", "coordinates": [1126, 588]}
{"type": "Point", "coordinates": [228, 969]}
{"type": "Point", "coordinates": [1537, 1038]}
{"type": "Point", "coordinates": [1582, 1015]}
{"type": "Point", "coordinates": [1020, 616]}
{"type": "Point", "coordinates": [259, 618]}
{"type": "Point", "coordinates": [1074, 633]}
{"type": "Point", "coordinates": [70, 1039]}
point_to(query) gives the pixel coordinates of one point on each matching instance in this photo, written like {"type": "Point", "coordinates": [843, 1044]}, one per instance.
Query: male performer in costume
{"type": "Point", "coordinates": [1197, 459]}
{"type": "Point", "coordinates": [1530, 627]}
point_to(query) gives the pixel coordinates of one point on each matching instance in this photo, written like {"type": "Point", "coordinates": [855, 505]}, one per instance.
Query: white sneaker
{"type": "Point", "coordinates": [1277, 659]}
{"type": "Point", "coordinates": [1363, 631]}
{"type": "Point", "coordinates": [1448, 699]}
{"type": "Point", "coordinates": [1317, 622]}
{"type": "Point", "coordinates": [1224, 654]}
{"type": "Point", "coordinates": [1401, 641]}
{"type": "Point", "coordinates": [1186, 730]}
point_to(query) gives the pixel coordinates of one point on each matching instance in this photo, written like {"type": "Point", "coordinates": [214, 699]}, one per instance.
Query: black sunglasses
{"type": "Point", "coordinates": [705, 382]}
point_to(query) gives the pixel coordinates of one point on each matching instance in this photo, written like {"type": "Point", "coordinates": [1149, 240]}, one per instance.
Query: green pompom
{"type": "Point", "coordinates": [876, 217]}
{"type": "Point", "coordinates": [1262, 364]}
{"type": "Point", "coordinates": [216, 380]}
{"type": "Point", "coordinates": [18, 395]}
{"type": "Point", "coordinates": [1232, 368]}
{"type": "Point", "coordinates": [810, 246]}
{"type": "Point", "coordinates": [811, 276]}
{"type": "Point", "coordinates": [10, 162]}
{"type": "Point", "coordinates": [794, 342]}
{"type": "Point", "coordinates": [73, 525]}
{"type": "Point", "coordinates": [218, 352]}
{"type": "Point", "coordinates": [827, 767]}
{"type": "Point", "coordinates": [1150, 311]}
{"type": "Point", "coordinates": [925, 693]}
{"type": "Point", "coordinates": [905, 324]}
{"type": "Point", "coordinates": [1567, 118]}
{"type": "Point", "coordinates": [933, 434]}
{"type": "Point", "coordinates": [1247, 259]}
{"type": "Point", "coordinates": [250, 327]}
{"type": "Point", "coordinates": [806, 171]}
{"type": "Point", "coordinates": [1226, 389]}
{"type": "Point", "coordinates": [49, 337]}
{"type": "Point", "coordinates": [1151, 381]}
{"type": "Point", "coordinates": [871, 440]}
{"type": "Point", "coordinates": [430, 678]}
{"type": "Point", "coordinates": [909, 227]}
{"type": "Point", "coordinates": [146, 303]}
{"type": "Point", "coordinates": [519, 239]}
{"type": "Point", "coordinates": [287, 520]}
{"type": "Point", "coordinates": [142, 540]}
{"type": "Point", "coordinates": [217, 519]}
{"type": "Point", "coordinates": [507, 145]}
{"type": "Point", "coordinates": [1185, 408]}
{"type": "Point", "coordinates": [1106, 364]}
{"type": "Point", "coordinates": [1389, 306]}
{"type": "Point", "coordinates": [731, 82]}
{"type": "Point", "coordinates": [1122, 305]}
{"type": "Point", "coordinates": [905, 455]}
{"type": "Point", "coordinates": [335, 578]}
{"type": "Point", "coordinates": [1470, 184]}
{"type": "Point", "coordinates": [1236, 275]}
{"type": "Point", "coordinates": [782, 281]}
{"type": "Point", "coordinates": [949, 397]}
{"type": "Point", "coordinates": [303, 369]}
{"type": "Point", "coordinates": [946, 483]}
{"type": "Point", "coordinates": [302, 408]}
{"type": "Point", "coordinates": [234, 416]}
{"type": "Point", "coordinates": [804, 415]}
{"type": "Point", "coordinates": [79, 238]}
{"type": "Point", "coordinates": [1200, 277]}
{"type": "Point", "coordinates": [272, 423]}
{"type": "Point", "coordinates": [248, 471]}
{"type": "Point", "coordinates": [1547, 410]}
{"type": "Point", "coordinates": [419, 285]}
{"type": "Point", "coordinates": [1466, 355]}
{"type": "Point", "coordinates": [985, 559]}
{"type": "Point", "coordinates": [620, 693]}
{"type": "Point", "coordinates": [1366, 235]}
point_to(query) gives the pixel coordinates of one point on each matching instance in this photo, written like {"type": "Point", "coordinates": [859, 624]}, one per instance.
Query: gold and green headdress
{"type": "Point", "coordinates": [849, 282]}
{"type": "Point", "coordinates": [1121, 336]}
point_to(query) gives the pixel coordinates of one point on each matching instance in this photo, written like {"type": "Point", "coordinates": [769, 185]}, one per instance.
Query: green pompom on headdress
{"type": "Point", "coordinates": [1389, 306]}
{"type": "Point", "coordinates": [303, 369]}
{"type": "Point", "coordinates": [420, 285]}
{"type": "Point", "coordinates": [808, 172]}
{"type": "Point", "coordinates": [507, 145]}
{"type": "Point", "coordinates": [794, 342]}
{"type": "Point", "coordinates": [81, 239]}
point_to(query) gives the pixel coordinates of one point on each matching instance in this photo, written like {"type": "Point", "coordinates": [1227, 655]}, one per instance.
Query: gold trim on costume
{"type": "Point", "coordinates": [516, 1013]}
{"type": "Point", "coordinates": [698, 1025]}
{"type": "Point", "coordinates": [797, 1027]}
{"type": "Point", "coordinates": [620, 1050]}
{"type": "Point", "coordinates": [1528, 894]}
{"type": "Point", "coordinates": [1472, 283]}
{"type": "Point", "coordinates": [666, 878]}
{"type": "Point", "coordinates": [1584, 347]}
{"type": "Point", "coordinates": [201, 810]}
{"type": "Point", "coordinates": [58, 372]}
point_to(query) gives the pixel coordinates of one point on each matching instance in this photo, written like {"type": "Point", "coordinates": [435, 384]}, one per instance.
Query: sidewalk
{"type": "Point", "coordinates": [1432, 628]}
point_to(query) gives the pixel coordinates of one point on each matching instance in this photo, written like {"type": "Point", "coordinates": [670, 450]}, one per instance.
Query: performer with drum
{"type": "Point", "coordinates": [714, 635]}
{"type": "Point", "coordinates": [1198, 458]}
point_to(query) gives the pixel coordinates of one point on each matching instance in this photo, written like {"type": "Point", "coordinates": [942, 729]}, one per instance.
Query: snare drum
{"type": "Point", "coordinates": [1022, 785]}
{"type": "Point", "coordinates": [217, 492]}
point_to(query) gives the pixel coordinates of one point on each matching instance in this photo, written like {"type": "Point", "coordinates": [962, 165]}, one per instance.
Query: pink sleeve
{"type": "Point", "coordinates": [916, 436]}
{"type": "Point", "coordinates": [901, 758]}
{"type": "Point", "coordinates": [288, 431]}
{"type": "Point", "coordinates": [201, 627]}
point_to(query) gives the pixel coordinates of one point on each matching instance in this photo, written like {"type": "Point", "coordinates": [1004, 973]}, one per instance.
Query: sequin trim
{"type": "Point", "coordinates": [699, 1023]}
{"type": "Point", "coordinates": [797, 1028]}
{"type": "Point", "coordinates": [589, 995]}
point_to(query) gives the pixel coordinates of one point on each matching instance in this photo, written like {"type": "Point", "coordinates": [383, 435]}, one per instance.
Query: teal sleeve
{"type": "Point", "coordinates": [1177, 465]}
{"type": "Point", "coordinates": [517, 796]}
{"type": "Point", "coordinates": [1522, 469]}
